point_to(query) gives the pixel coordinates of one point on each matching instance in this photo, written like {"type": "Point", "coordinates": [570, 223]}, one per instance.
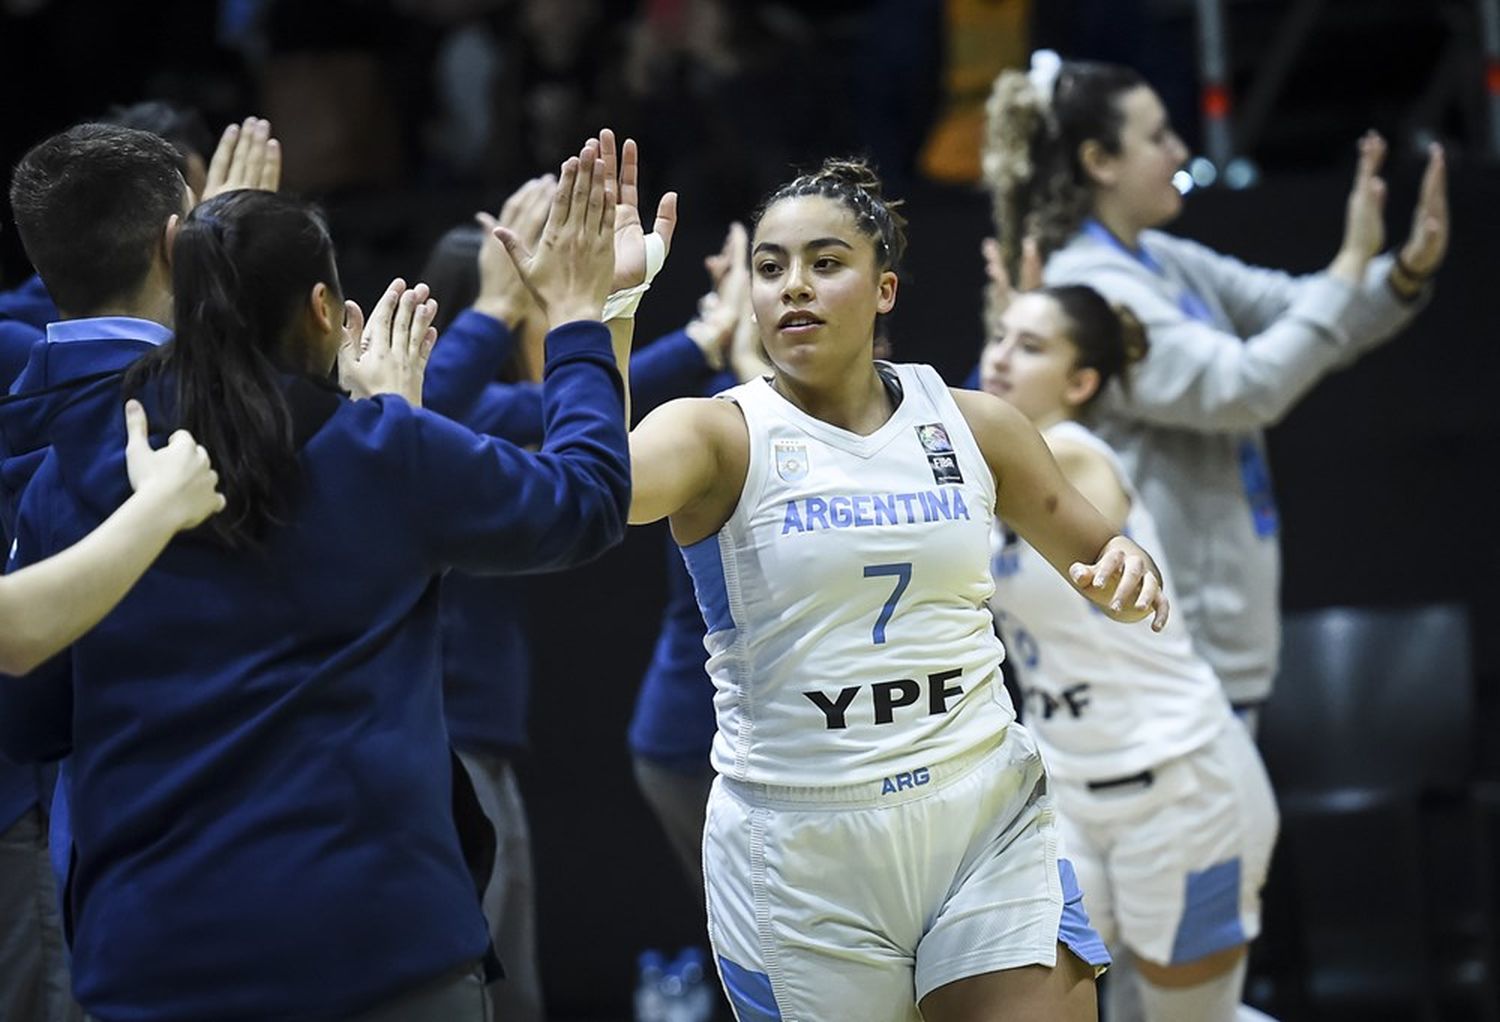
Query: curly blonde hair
{"type": "Point", "coordinates": [1031, 165]}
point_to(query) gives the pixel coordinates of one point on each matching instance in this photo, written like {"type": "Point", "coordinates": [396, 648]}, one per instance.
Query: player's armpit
{"type": "Point", "coordinates": [687, 461]}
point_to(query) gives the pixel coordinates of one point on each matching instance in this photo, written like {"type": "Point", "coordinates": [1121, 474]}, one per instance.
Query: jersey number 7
{"type": "Point", "coordinates": [902, 573]}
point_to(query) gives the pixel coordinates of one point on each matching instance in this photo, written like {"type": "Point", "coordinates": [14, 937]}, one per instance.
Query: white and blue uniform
{"type": "Point", "coordinates": [1167, 812]}
{"type": "Point", "coordinates": [880, 826]}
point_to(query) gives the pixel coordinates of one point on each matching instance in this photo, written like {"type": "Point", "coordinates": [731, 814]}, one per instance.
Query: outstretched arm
{"type": "Point", "coordinates": [1034, 498]}
{"type": "Point", "coordinates": [46, 606]}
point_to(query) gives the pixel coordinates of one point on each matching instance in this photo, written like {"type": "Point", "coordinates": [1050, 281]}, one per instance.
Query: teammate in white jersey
{"type": "Point", "coordinates": [1165, 807]}
{"type": "Point", "coordinates": [881, 842]}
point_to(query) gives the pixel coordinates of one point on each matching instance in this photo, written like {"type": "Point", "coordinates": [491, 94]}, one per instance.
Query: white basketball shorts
{"type": "Point", "coordinates": [1172, 867]}
{"type": "Point", "coordinates": [855, 902]}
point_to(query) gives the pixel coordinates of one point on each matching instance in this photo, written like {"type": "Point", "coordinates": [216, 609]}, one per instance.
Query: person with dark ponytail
{"type": "Point", "coordinates": [1165, 808]}
{"type": "Point", "coordinates": [267, 820]}
{"type": "Point", "coordinates": [880, 843]}
{"type": "Point", "coordinates": [1080, 161]}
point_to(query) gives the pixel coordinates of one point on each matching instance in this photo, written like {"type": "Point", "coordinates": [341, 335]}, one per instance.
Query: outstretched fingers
{"type": "Point", "coordinates": [630, 174]}
{"type": "Point", "coordinates": [666, 219]}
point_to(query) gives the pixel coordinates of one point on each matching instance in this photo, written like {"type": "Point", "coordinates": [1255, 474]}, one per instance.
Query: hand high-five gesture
{"type": "Point", "coordinates": [570, 272]}
{"type": "Point", "coordinates": [501, 291]}
{"type": "Point", "coordinates": [630, 233]}
{"type": "Point", "coordinates": [247, 157]}
{"type": "Point", "coordinates": [388, 355]}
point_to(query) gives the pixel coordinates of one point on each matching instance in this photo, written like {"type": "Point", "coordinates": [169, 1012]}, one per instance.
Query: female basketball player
{"type": "Point", "coordinates": [1167, 811]}
{"type": "Point", "coordinates": [1081, 157]}
{"type": "Point", "coordinates": [880, 842]}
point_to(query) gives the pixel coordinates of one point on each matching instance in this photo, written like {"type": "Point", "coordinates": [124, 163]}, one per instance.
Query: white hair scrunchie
{"type": "Point", "coordinates": [1045, 67]}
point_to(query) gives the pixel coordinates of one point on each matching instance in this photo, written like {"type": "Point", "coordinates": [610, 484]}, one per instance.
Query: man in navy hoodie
{"type": "Point", "coordinates": [110, 199]}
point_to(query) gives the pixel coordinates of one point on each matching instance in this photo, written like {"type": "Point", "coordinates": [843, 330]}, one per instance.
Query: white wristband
{"type": "Point", "coordinates": [623, 303]}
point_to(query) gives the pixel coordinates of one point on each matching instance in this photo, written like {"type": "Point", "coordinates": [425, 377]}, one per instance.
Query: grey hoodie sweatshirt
{"type": "Point", "coordinates": [1233, 347]}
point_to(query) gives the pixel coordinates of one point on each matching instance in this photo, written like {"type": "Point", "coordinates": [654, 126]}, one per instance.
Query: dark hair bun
{"type": "Point", "coordinates": [853, 182]}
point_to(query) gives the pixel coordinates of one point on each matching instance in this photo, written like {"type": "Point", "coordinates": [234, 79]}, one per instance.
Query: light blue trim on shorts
{"type": "Point", "coordinates": [749, 992]}
{"type": "Point", "coordinates": [1210, 913]}
{"type": "Point", "coordinates": [1074, 931]}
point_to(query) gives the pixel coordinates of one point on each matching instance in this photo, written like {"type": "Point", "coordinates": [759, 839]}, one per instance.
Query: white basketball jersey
{"type": "Point", "coordinates": [848, 634]}
{"type": "Point", "coordinates": [1105, 699]}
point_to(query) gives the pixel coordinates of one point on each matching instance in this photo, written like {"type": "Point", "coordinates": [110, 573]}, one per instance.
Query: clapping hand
{"type": "Point", "coordinates": [999, 290]}
{"type": "Point", "coordinates": [388, 355]}
{"type": "Point", "coordinates": [1425, 250]}
{"type": "Point", "coordinates": [1364, 219]}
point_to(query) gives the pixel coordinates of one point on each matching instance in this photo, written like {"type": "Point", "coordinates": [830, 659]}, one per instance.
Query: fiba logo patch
{"type": "Point", "coordinates": [933, 437]}
{"type": "Point", "coordinates": [791, 460]}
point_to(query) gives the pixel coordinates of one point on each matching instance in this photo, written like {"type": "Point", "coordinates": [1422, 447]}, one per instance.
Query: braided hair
{"type": "Point", "coordinates": [853, 183]}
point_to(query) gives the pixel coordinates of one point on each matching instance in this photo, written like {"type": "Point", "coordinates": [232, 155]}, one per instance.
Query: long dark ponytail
{"type": "Point", "coordinates": [243, 265]}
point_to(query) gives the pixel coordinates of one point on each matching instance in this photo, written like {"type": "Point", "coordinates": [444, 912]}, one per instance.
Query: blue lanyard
{"type": "Point", "coordinates": [1191, 306]}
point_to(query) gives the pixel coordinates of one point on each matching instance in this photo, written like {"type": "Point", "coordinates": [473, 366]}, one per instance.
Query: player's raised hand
{"type": "Point", "coordinates": [569, 273]}
{"type": "Point", "coordinates": [247, 157]}
{"type": "Point", "coordinates": [177, 475]}
{"type": "Point", "coordinates": [1125, 583]}
{"type": "Point", "coordinates": [632, 243]}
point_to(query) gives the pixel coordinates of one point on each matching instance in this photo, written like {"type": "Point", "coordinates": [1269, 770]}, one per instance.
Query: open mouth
{"type": "Point", "coordinates": [798, 323]}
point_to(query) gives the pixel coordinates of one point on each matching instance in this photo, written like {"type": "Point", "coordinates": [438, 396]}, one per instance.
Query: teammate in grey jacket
{"type": "Point", "coordinates": [1080, 158]}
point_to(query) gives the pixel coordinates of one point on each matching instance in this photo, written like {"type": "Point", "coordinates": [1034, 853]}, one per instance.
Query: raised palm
{"type": "Point", "coordinates": [630, 231]}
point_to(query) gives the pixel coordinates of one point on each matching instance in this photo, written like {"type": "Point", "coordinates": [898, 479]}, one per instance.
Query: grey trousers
{"type": "Point", "coordinates": [510, 896]}
{"type": "Point", "coordinates": [456, 997]}
{"type": "Point", "coordinates": [34, 981]}
{"type": "Point", "coordinates": [680, 802]}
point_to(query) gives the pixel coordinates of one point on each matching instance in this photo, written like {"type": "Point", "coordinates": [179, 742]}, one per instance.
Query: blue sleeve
{"type": "Point", "coordinates": [509, 410]}
{"type": "Point", "coordinates": [36, 710]}
{"type": "Point", "coordinates": [467, 356]}
{"type": "Point", "coordinates": [971, 382]}
{"type": "Point", "coordinates": [506, 510]}
{"type": "Point", "coordinates": [16, 339]}
{"type": "Point", "coordinates": [29, 304]}
{"type": "Point", "coordinates": [669, 367]}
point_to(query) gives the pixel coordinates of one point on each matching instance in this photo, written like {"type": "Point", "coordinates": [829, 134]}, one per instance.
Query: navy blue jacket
{"type": "Point", "coordinates": [29, 304]}
{"type": "Point", "coordinates": [24, 315]}
{"type": "Point", "coordinates": [486, 650]}
{"type": "Point", "coordinates": [24, 312]}
{"type": "Point", "coordinates": [78, 351]}
{"type": "Point", "coordinates": [261, 784]}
